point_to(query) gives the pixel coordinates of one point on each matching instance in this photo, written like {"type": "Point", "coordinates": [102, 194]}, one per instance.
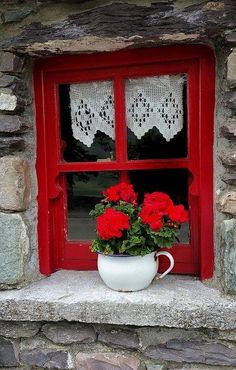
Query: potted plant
{"type": "Point", "coordinates": [129, 235]}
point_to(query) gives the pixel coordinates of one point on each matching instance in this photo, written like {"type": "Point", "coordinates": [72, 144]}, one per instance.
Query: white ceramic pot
{"type": "Point", "coordinates": [131, 273]}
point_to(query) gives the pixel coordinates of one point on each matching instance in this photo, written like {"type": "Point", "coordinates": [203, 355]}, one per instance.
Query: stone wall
{"type": "Point", "coordinates": [72, 345]}
{"type": "Point", "coordinates": [32, 29]}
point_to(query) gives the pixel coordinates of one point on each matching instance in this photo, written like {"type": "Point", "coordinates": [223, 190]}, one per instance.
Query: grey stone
{"type": "Point", "coordinates": [228, 130]}
{"type": "Point", "coordinates": [8, 102]}
{"type": "Point", "coordinates": [230, 100]}
{"type": "Point", "coordinates": [119, 338]}
{"type": "Point", "coordinates": [7, 81]}
{"type": "Point", "coordinates": [46, 358]}
{"type": "Point", "coordinates": [10, 62]}
{"type": "Point", "coordinates": [229, 335]}
{"type": "Point", "coordinates": [15, 187]}
{"type": "Point", "coordinates": [23, 329]}
{"type": "Point", "coordinates": [231, 68]}
{"type": "Point", "coordinates": [14, 246]}
{"type": "Point", "coordinates": [228, 250]}
{"type": "Point", "coordinates": [12, 124]}
{"type": "Point", "coordinates": [106, 361]}
{"type": "Point", "coordinates": [193, 352]}
{"type": "Point", "coordinates": [229, 178]}
{"type": "Point", "coordinates": [67, 333]}
{"type": "Point", "coordinates": [231, 38]}
{"type": "Point", "coordinates": [176, 301]}
{"type": "Point", "coordinates": [226, 202]}
{"type": "Point", "coordinates": [7, 353]}
{"type": "Point", "coordinates": [16, 14]}
{"type": "Point", "coordinates": [156, 367]}
{"type": "Point", "coordinates": [9, 145]}
{"type": "Point", "coordinates": [228, 158]}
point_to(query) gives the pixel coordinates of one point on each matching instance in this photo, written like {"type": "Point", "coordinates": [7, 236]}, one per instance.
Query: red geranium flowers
{"type": "Point", "coordinates": [121, 191]}
{"type": "Point", "coordinates": [111, 224]}
{"type": "Point", "coordinates": [124, 227]}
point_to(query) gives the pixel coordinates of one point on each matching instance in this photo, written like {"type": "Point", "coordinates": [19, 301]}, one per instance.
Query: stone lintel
{"type": "Point", "coordinates": [176, 301]}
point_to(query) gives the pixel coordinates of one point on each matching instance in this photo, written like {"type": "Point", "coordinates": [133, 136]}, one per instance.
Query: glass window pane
{"type": "Point", "coordinates": [87, 121]}
{"type": "Point", "coordinates": [84, 190]}
{"type": "Point", "coordinates": [156, 114]}
{"type": "Point", "coordinates": [174, 182]}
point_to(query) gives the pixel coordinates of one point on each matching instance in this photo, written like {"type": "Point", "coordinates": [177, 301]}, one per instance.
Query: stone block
{"type": "Point", "coordinates": [227, 202]}
{"type": "Point", "coordinates": [231, 68]}
{"type": "Point", "coordinates": [67, 333]}
{"type": "Point", "coordinates": [230, 100]}
{"type": "Point", "coordinates": [8, 356]}
{"type": "Point", "coordinates": [10, 62]}
{"type": "Point", "coordinates": [14, 245]}
{"type": "Point", "coordinates": [10, 145]}
{"type": "Point", "coordinates": [228, 130]}
{"type": "Point", "coordinates": [7, 81]}
{"type": "Point", "coordinates": [156, 367]}
{"type": "Point", "coordinates": [231, 38]}
{"type": "Point", "coordinates": [16, 14]}
{"type": "Point", "coordinates": [119, 338]}
{"type": "Point", "coordinates": [13, 329]}
{"type": "Point", "coordinates": [193, 352]}
{"type": "Point", "coordinates": [14, 184]}
{"type": "Point", "coordinates": [229, 178]}
{"type": "Point", "coordinates": [8, 102]}
{"type": "Point", "coordinates": [106, 361]}
{"type": "Point", "coordinates": [46, 358]}
{"type": "Point", "coordinates": [228, 250]}
{"type": "Point", "coordinates": [229, 335]}
{"type": "Point", "coordinates": [228, 158]}
{"type": "Point", "coordinates": [12, 124]}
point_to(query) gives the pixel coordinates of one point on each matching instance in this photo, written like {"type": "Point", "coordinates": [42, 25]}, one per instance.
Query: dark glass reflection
{"type": "Point", "coordinates": [84, 190]}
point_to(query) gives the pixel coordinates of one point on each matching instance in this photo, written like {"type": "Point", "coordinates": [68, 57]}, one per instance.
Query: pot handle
{"type": "Point", "coordinates": [167, 254]}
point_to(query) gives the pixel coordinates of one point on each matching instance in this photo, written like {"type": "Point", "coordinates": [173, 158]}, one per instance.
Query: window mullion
{"type": "Point", "coordinates": [120, 121]}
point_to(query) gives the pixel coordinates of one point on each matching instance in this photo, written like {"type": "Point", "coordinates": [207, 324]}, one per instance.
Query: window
{"type": "Point", "coordinates": [144, 116]}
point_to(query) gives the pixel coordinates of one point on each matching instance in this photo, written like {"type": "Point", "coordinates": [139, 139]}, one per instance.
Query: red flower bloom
{"type": "Point", "coordinates": [178, 214]}
{"type": "Point", "coordinates": [111, 224]}
{"type": "Point", "coordinates": [121, 191]}
{"type": "Point", "coordinates": [161, 202]}
{"type": "Point", "coordinates": [151, 216]}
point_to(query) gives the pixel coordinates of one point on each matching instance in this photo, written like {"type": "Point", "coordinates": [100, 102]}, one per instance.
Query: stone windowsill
{"type": "Point", "coordinates": [176, 301]}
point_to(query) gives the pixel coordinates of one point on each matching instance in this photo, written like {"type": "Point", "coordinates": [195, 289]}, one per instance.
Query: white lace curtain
{"type": "Point", "coordinates": [150, 102]}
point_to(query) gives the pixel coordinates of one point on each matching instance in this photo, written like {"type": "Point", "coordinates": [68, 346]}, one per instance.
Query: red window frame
{"type": "Point", "coordinates": [198, 63]}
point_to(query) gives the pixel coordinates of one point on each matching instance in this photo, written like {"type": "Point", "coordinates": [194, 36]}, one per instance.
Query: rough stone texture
{"type": "Point", "coordinates": [231, 38]}
{"type": "Point", "coordinates": [8, 355]}
{"type": "Point", "coordinates": [46, 358]}
{"type": "Point", "coordinates": [181, 302]}
{"type": "Point", "coordinates": [7, 80]}
{"type": "Point", "coordinates": [9, 145]}
{"type": "Point", "coordinates": [231, 68]}
{"type": "Point", "coordinates": [18, 329]}
{"type": "Point", "coordinates": [229, 335]}
{"type": "Point", "coordinates": [16, 14]}
{"type": "Point", "coordinates": [106, 361]}
{"type": "Point", "coordinates": [193, 351]}
{"type": "Point", "coordinates": [10, 62]}
{"type": "Point", "coordinates": [228, 130]}
{"type": "Point", "coordinates": [228, 247]}
{"type": "Point", "coordinates": [8, 102]}
{"type": "Point", "coordinates": [228, 158]}
{"type": "Point", "coordinates": [13, 248]}
{"type": "Point", "coordinates": [12, 124]}
{"type": "Point", "coordinates": [150, 22]}
{"type": "Point", "coordinates": [69, 333]}
{"type": "Point", "coordinates": [230, 100]}
{"type": "Point", "coordinates": [156, 367]}
{"type": "Point", "coordinates": [15, 192]}
{"type": "Point", "coordinates": [227, 202]}
{"type": "Point", "coordinates": [229, 178]}
{"type": "Point", "coordinates": [119, 339]}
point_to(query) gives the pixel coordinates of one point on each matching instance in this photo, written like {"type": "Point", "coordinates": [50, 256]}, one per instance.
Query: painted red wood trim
{"type": "Point", "coordinates": [195, 60]}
